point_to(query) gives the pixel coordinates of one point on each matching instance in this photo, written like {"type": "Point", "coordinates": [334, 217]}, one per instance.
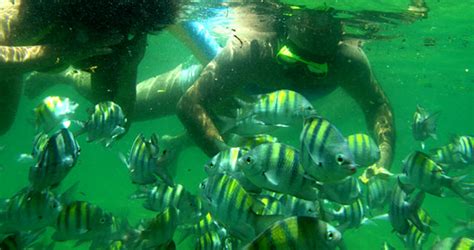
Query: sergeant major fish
{"type": "Point", "coordinates": [158, 231]}
{"type": "Point", "coordinates": [325, 154]}
{"type": "Point", "coordinates": [106, 123]}
{"type": "Point", "coordinates": [299, 232]}
{"type": "Point", "coordinates": [225, 162]}
{"type": "Point", "coordinates": [424, 125]}
{"type": "Point", "coordinates": [55, 161]}
{"type": "Point", "coordinates": [422, 172]}
{"type": "Point", "coordinates": [365, 150]}
{"type": "Point", "coordinates": [465, 146]}
{"type": "Point", "coordinates": [345, 191]}
{"type": "Point", "coordinates": [145, 161]}
{"type": "Point", "coordinates": [276, 167]}
{"type": "Point", "coordinates": [279, 107]}
{"type": "Point", "coordinates": [54, 112]}
{"type": "Point", "coordinates": [348, 216]}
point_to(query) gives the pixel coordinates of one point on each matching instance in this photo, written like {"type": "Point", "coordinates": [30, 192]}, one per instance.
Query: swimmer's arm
{"type": "Point", "coordinates": [20, 59]}
{"type": "Point", "coordinates": [219, 79]}
{"type": "Point", "coordinates": [365, 89]}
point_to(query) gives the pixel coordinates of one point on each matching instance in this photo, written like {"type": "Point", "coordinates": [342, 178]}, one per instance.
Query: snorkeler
{"type": "Point", "coordinates": [105, 39]}
{"type": "Point", "coordinates": [301, 50]}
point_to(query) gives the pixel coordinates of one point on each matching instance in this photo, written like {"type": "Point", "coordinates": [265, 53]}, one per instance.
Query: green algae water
{"type": "Point", "coordinates": [429, 63]}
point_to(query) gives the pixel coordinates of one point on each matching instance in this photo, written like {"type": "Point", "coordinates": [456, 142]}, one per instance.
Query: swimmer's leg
{"type": "Point", "coordinates": [10, 93]}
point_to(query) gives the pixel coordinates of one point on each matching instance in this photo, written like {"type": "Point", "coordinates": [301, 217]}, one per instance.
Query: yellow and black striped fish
{"type": "Point", "coordinates": [145, 161]}
{"type": "Point", "coordinates": [277, 167]}
{"type": "Point", "coordinates": [278, 107]}
{"type": "Point", "coordinates": [465, 146]}
{"type": "Point", "coordinates": [106, 123]}
{"type": "Point", "coordinates": [422, 172]}
{"type": "Point", "coordinates": [298, 232]}
{"type": "Point", "coordinates": [55, 161]}
{"type": "Point", "coordinates": [325, 154]}
{"type": "Point", "coordinates": [345, 191]}
{"type": "Point", "coordinates": [159, 230]}
{"type": "Point", "coordinates": [348, 216]}
{"type": "Point", "coordinates": [251, 141]}
{"type": "Point", "coordinates": [81, 220]}
{"type": "Point", "coordinates": [365, 150]}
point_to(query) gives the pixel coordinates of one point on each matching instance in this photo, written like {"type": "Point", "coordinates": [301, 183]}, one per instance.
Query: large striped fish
{"type": "Point", "coordinates": [348, 216]}
{"type": "Point", "coordinates": [105, 124]}
{"type": "Point", "coordinates": [325, 154]}
{"type": "Point", "coordinates": [55, 161]}
{"type": "Point", "coordinates": [81, 220]}
{"type": "Point", "coordinates": [278, 107]}
{"type": "Point", "coordinates": [422, 172]}
{"type": "Point", "coordinates": [158, 231]}
{"type": "Point", "coordinates": [465, 146]}
{"type": "Point", "coordinates": [232, 206]}
{"type": "Point", "coordinates": [365, 150]}
{"type": "Point", "coordinates": [145, 162]}
{"type": "Point", "coordinates": [276, 167]}
{"type": "Point", "coordinates": [298, 232]}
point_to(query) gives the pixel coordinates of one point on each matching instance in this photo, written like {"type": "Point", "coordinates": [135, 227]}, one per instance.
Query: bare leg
{"type": "Point", "coordinates": [10, 93]}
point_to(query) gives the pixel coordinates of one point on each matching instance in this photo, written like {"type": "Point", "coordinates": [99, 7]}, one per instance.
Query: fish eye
{"type": "Point", "coordinates": [211, 165]}
{"type": "Point", "coordinates": [248, 159]}
{"type": "Point", "coordinates": [330, 235]}
{"type": "Point", "coordinates": [340, 159]}
{"type": "Point", "coordinates": [102, 220]}
{"type": "Point", "coordinates": [309, 108]}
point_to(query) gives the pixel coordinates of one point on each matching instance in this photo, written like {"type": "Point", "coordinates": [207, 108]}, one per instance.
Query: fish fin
{"type": "Point", "coordinates": [271, 177]}
{"type": "Point", "coordinates": [462, 188]}
{"type": "Point", "coordinates": [66, 124]}
{"type": "Point", "coordinates": [280, 125]}
{"type": "Point", "coordinates": [123, 159]}
{"type": "Point", "coordinates": [140, 193]}
{"type": "Point", "coordinates": [80, 242]}
{"type": "Point", "coordinates": [416, 203]}
{"type": "Point", "coordinates": [162, 172]}
{"type": "Point", "coordinates": [68, 196]}
{"type": "Point", "coordinates": [405, 184]}
{"type": "Point", "coordinates": [383, 217]}
{"type": "Point", "coordinates": [117, 131]}
{"type": "Point", "coordinates": [229, 124]}
{"type": "Point", "coordinates": [68, 160]}
{"type": "Point", "coordinates": [25, 158]}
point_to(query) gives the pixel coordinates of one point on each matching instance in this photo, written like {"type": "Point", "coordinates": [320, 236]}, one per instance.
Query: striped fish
{"type": "Point", "coordinates": [424, 125]}
{"type": "Point", "coordinates": [449, 156]}
{"type": "Point", "coordinates": [401, 211]}
{"type": "Point", "coordinates": [54, 112]}
{"type": "Point", "coordinates": [345, 191]}
{"type": "Point", "coordinates": [158, 231]}
{"type": "Point", "coordinates": [231, 206]}
{"type": "Point", "coordinates": [378, 193]}
{"type": "Point", "coordinates": [298, 232]}
{"type": "Point", "coordinates": [29, 210]}
{"type": "Point", "coordinates": [276, 167]}
{"type": "Point", "coordinates": [364, 149]}
{"type": "Point", "coordinates": [249, 142]}
{"type": "Point", "coordinates": [55, 161]}
{"type": "Point", "coordinates": [39, 143]}
{"type": "Point", "coordinates": [106, 123]}
{"type": "Point", "coordinates": [81, 220]}
{"type": "Point", "coordinates": [325, 154]}
{"type": "Point", "coordinates": [422, 172]}
{"type": "Point", "coordinates": [278, 107]}
{"type": "Point", "coordinates": [460, 243]}
{"type": "Point", "coordinates": [145, 161]}
{"type": "Point", "coordinates": [225, 162]}
{"type": "Point", "coordinates": [414, 239]}
{"type": "Point", "coordinates": [289, 205]}
{"type": "Point", "coordinates": [162, 196]}
{"type": "Point", "coordinates": [465, 146]}
{"type": "Point", "coordinates": [213, 241]}
{"type": "Point", "coordinates": [348, 216]}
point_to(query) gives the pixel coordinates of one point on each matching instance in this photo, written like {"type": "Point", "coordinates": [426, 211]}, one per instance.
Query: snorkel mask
{"type": "Point", "coordinates": [286, 56]}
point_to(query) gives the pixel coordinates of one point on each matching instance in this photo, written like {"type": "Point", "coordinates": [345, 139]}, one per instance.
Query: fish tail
{"type": "Point", "coordinates": [462, 188]}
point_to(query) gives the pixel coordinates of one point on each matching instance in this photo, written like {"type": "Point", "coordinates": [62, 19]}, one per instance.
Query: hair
{"type": "Point", "coordinates": [314, 30]}
{"type": "Point", "coordinates": [126, 16]}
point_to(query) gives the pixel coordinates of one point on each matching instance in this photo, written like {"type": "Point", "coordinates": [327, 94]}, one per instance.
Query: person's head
{"type": "Point", "coordinates": [313, 34]}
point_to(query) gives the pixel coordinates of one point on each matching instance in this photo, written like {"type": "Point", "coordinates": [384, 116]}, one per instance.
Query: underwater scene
{"type": "Point", "coordinates": [236, 124]}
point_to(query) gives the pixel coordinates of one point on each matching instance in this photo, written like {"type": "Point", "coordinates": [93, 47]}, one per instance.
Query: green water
{"type": "Point", "coordinates": [439, 77]}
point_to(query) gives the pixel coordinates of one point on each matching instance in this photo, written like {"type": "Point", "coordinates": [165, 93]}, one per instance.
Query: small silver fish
{"type": "Point", "coordinates": [424, 125]}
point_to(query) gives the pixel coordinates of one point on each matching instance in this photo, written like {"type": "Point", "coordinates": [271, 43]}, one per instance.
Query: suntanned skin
{"type": "Point", "coordinates": [114, 69]}
{"type": "Point", "coordinates": [250, 61]}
